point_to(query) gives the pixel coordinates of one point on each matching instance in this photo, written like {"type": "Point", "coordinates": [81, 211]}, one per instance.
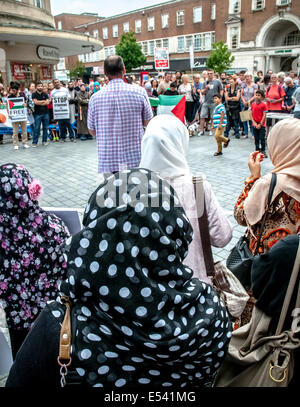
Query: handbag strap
{"type": "Point", "coordinates": [204, 233]}
{"type": "Point", "coordinates": [289, 292]}
{"type": "Point", "coordinates": [271, 190]}
{"type": "Point", "coordinates": [65, 335]}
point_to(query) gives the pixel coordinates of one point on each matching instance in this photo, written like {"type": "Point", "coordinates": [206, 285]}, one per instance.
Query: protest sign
{"type": "Point", "coordinates": [161, 58]}
{"type": "Point", "coordinates": [60, 107]}
{"type": "Point", "coordinates": [16, 110]}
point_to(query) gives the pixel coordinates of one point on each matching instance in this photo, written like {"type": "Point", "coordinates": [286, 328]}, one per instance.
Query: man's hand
{"type": "Point", "coordinates": [220, 126]}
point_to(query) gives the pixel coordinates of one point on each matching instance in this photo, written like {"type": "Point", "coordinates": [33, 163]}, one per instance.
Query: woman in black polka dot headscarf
{"type": "Point", "coordinates": [139, 317]}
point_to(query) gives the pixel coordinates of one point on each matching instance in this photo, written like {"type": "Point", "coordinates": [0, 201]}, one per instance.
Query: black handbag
{"type": "Point", "coordinates": [240, 258]}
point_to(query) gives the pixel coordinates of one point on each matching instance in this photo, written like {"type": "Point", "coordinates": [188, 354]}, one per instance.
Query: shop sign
{"type": "Point", "coordinates": [49, 53]}
{"type": "Point", "coordinates": [19, 71]}
{"type": "Point", "coordinates": [16, 110]}
{"type": "Point", "coordinates": [46, 72]}
{"type": "Point", "coordinates": [283, 51]}
{"type": "Point", "coordinates": [161, 58]}
{"type": "Point", "coordinates": [148, 67]}
{"type": "Point", "coordinates": [98, 70]}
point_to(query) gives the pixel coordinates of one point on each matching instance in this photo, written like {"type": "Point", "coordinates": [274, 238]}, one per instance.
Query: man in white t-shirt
{"type": "Point", "coordinates": [58, 94]}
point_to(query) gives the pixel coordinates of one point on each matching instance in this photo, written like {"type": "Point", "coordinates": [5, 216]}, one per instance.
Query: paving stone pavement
{"type": "Point", "coordinates": [68, 173]}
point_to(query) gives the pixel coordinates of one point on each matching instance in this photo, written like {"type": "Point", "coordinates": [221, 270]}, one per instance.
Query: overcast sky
{"type": "Point", "coordinates": [103, 8]}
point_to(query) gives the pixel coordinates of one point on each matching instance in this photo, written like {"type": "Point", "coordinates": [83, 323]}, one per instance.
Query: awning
{"type": "Point", "coordinates": [68, 43]}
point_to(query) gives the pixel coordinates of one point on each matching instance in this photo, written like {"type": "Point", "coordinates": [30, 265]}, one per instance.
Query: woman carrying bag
{"type": "Point", "coordinates": [266, 352]}
{"type": "Point", "coordinates": [266, 227]}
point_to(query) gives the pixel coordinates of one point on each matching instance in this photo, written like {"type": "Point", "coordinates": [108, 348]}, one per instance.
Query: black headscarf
{"type": "Point", "coordinates": [140, 316]}
{"type": "Point", "coordinates": [271, 274]}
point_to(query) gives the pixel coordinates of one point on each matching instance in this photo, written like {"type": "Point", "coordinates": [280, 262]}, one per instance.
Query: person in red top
{"type": "Point", "coordinates": [258, 116]}
{"type": "Point", "coordinates": [274, 97]}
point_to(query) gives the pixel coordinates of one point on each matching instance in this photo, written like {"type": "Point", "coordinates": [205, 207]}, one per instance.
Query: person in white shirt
{"type": "Point", "coordinates": [61, 94]}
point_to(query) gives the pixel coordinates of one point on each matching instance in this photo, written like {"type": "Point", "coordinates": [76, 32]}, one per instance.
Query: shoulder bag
{"type": "Point", "coordinates": [240, 258]}
{"type": "Point", "coordinates": [226, 285]}
{"type": "Point", "coordinates": [257, 359]}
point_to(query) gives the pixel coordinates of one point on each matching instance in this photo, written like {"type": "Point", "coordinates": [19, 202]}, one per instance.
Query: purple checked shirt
{"type": "Point", "coordinates": [117, 113]}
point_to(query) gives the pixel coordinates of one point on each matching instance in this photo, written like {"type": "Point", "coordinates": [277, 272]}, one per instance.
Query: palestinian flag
{"type": "Point", "coordinates": [16, 103]}
{"type": "Point", "coordinates": [172, 105]}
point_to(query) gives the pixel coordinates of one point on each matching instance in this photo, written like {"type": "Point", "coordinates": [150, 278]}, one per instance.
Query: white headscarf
{"type": "Point", "coordinates": [165, 146]}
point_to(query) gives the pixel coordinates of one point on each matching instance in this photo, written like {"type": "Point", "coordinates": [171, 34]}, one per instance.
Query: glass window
{"type": "Point", "coordinates": [197, 14]}
{"type": "Point", "coordinates": [258, 4]}
{"type": "Point", "coordinates": [39, 3]}
{"type": "Point", "coordinates": [126, 27]}
{"type": "Point", "coordinates": [59, 25]}
{"type": "Point", "coordinates": [138, 26]}
{"type": "Point", "coordinates": [293, 38]}
{"type": "Point", "coordinates": [165, 21]}
{"type": "Point", "coordinates": [208, 41]}
{"type": "Point", "coordinates": [180, 44]}
{"type": "Point", "coordinates": [188, 42]}
{"type": "Point", "coordinates": [166, 42]}
{"type": "Point", "coordinates": [213, 11]}
{"type": "Point", "coordinates": [145, 48]}
{"type": "Point", "coordinates": [180, 17]}
{"type": "Point", "coordinates": [235, 6]}
{"type": "Point", "coordinates": [197, 42]}
{"type": "Point", "coordinates": [234, 33]}
{"type": "Point", "coordinates": [96, 33]}
{"type": "Point", "coordinates": [151, 47]}
{"type": "Point", "coordinates": [106, 52]}
{"type": "Point", "coordinates": [105, 33]}
{"type": "Point", "coordinates": [158, 43]}
{"type": "Point", "coordinates": [150, 23]}
{"type": "Point", "coordinates": [115, 30]}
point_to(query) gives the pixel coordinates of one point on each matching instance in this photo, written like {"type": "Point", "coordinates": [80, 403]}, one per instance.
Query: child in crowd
{"type": "Point", "coordinates": [258, 116]}
{"type": "Point", "coordinates": [219, 123]}
{"type": "Point", "coordinates": [54, 131]}
{"type": "Point", "coordinates": [172, 91]}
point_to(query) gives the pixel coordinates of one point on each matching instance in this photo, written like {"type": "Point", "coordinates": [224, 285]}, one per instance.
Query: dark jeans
{"type": "Point", "coordinates": [189, 108]}
{"type": "Point", "coordinates": [259, 136]}
{"type": "Point", "coordinates": [232, 124]}
{"type": "Point", "coordinates": [64, 125]}
{"type": "Point", "coordinates": [38, 120]}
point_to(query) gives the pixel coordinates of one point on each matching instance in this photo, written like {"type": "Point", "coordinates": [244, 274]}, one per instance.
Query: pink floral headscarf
{"type": "Point", "coordinates": [31, 248]}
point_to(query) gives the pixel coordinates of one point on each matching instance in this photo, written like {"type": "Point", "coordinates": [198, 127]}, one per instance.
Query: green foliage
{"type": "Point", "coordinates": [130, 51]}
{"type": "Point", "coordinates": [220, 58]}
{"type": "Point", "coordinates": [77, 70]}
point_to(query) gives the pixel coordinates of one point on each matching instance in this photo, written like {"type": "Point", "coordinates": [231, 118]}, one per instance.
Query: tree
{"type": "Point", "coordinates": [220, 58]}
{"type": "Point", "coordinates": [130, 51]}
{"type": "Point", "coordinates": [77, 70]}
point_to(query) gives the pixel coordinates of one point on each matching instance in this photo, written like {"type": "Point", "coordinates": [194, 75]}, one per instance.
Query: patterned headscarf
{"type": "Point", "coordinates": [140, 316]}
{"type": "Point", "coordinates": [94, 87]}
{"type": "Point", "coordinates": [31, 259]}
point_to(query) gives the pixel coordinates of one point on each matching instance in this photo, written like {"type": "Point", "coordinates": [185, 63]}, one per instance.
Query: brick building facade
{"type": "Point", "coordinates": [261, 34]}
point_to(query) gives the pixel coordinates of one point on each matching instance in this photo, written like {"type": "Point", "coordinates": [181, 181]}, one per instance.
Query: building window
{"type": "Point", "coordinates": [96, 34]}
{"type": "Point", "coordinates": [213, 11]}
{"type": "Point", "coordinates": [180, 44]}
{"type": "Point", "coordinates": [126, 27]}
{"type": "Point", "coordinates": [258, 5]}
{"type": "Point", "coordinates": [59, 25]}
{"type": "Point", "coordinates": [165, 21]}
{"type": "Point", "coordinates": [158, 43]}
{"type": "Point", "coordinates": [234, 35]}
{"type": "Point", "coordinates": [234, 6]}
{"type": "Point", "coordinates": [292, 38]}
{"type": "Point", "coordinates": [109, 51]}
{"type": "Point", "coordinates": [283, 2]}
{"type": "Point", "coordinates": [166, 42]}
{"type": "Point", "coordinates": [180, 17]}
{"type": "Point", "coordinates": [105, 33]}
{"type": "Point", "coordinates": [138, 26]}
{"type": "Point", "coordinates": [151, 23]}
{"type": "Point", "coordinates": [115, 30]}
{"type": "Point", "coordinates": [151, 47]}
{"type": "Point", "coordinates": [145, 47]}
{"type": "Point", "coordinates": [39, 3]}
{"type": "Point", "coordinates": [197, 14]}
{"type": "Point", "coordinates": [188, 42]}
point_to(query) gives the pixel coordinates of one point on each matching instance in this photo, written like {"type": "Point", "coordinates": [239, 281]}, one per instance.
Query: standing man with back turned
{"type": "Point", "coordinates": [117, 117]}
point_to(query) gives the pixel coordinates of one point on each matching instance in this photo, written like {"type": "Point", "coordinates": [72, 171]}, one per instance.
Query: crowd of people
{"type": "Point", "coordinates": [128, 300]}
